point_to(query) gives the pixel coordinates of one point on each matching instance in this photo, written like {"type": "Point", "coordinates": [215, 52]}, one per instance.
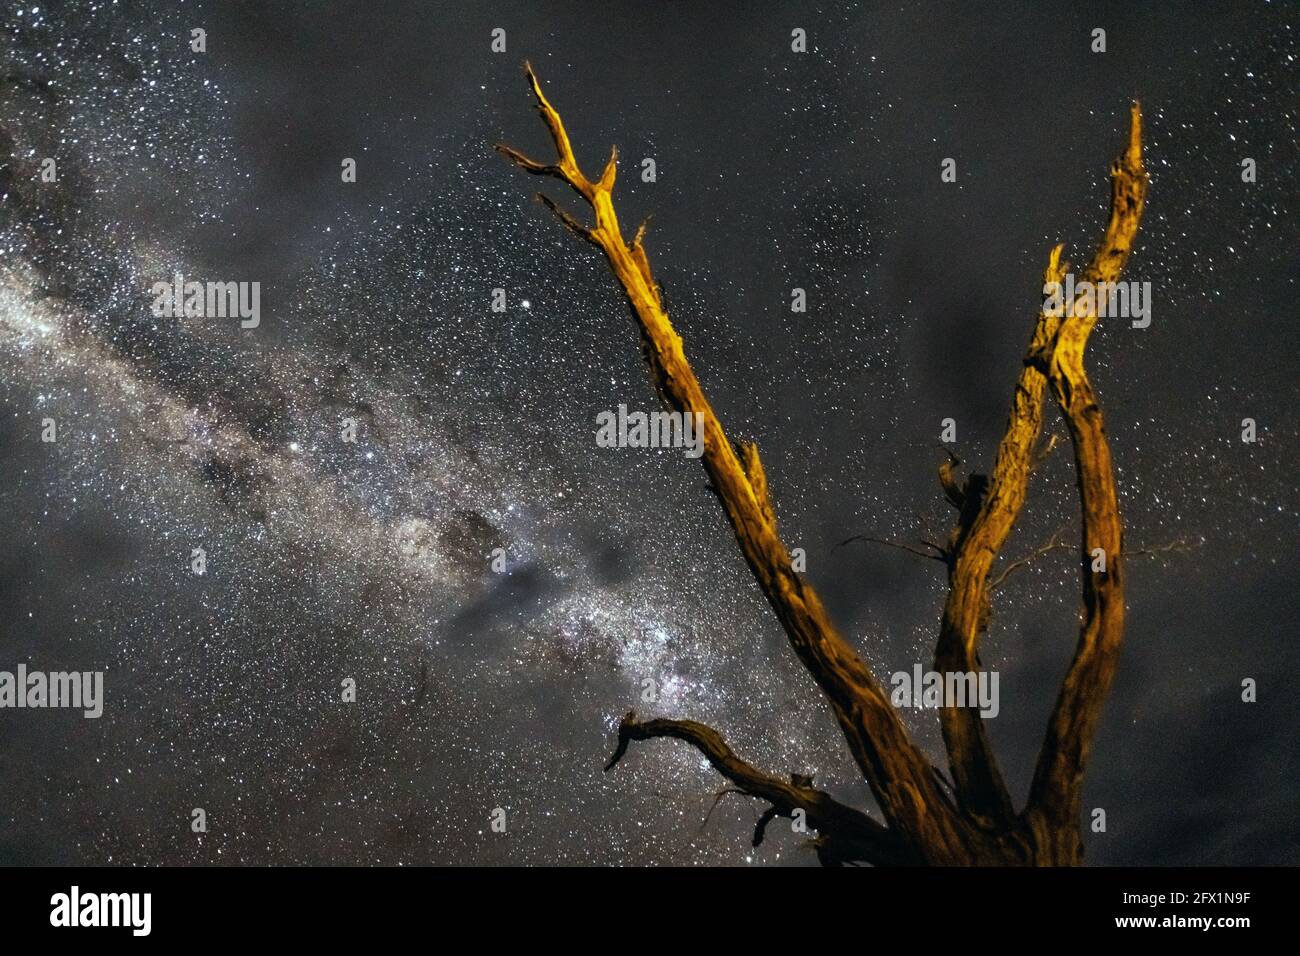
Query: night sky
{"type": "Point", "coordinates": [478, 690]}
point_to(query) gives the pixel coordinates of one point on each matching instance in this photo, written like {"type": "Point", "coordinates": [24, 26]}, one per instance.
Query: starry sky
{"type": "Point", "coordinates": [476, 690]}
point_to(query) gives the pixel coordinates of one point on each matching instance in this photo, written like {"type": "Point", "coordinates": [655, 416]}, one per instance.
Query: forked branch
{"type": "Point", "coordinates": [1055, 351]}
{"type": "Point", "coordinates": [1054, 797]}
{"type": "Point", "coordinates": [896, 770]}
{"type": "Point", "coordinates": [925, 823]}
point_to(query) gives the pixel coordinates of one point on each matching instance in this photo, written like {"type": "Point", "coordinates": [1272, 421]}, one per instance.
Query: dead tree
{"type": "Point", "coordinates": [928, 820]}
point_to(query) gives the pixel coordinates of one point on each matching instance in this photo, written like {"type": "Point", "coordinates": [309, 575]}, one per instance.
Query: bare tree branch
{"type": "Point", "coordinates": [989, 509]}
{"type": "Point", "coordinates": [952, 489]}
{"type": "Point", "coordinates": [1044, 451]}
{"type": "Point", "coordinates": [1055, 352]}
{"type": "Point", "coordinates": [1054, 797]}
{"type": "Point", "coordinates": [895, 769]}
{"type": "Point", "coordinates": [753, 465]}
{"type": "Point", "coordinates": [577, 228]}
{"type": "Point", "coordinates": [855, 834]}
{"type": "Point", "coordinates": [717, 800]}
{"type": "Point", "coordinates": [1173, 547]}
{"type": "Point", "coordinates": [1054, 543]}
{"type": "Point", "coordinates": [929, 818]}
{"type": "Point", "coordinates": [938, 554]}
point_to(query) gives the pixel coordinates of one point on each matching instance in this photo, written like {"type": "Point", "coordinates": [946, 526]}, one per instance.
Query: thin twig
{"type": "Point", "coordinates": [941, 554]}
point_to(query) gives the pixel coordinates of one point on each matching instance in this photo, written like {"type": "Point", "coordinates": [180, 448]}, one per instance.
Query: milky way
{"type": "Point", "coordinates": [482, 688]}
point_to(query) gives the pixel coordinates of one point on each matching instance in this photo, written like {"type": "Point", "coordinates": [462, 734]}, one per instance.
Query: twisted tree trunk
{"type": "Point", "coordinates": [926, 821]}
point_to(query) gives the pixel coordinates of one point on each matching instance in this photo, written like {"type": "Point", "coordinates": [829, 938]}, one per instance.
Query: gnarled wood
{"type": "Point", "coordinates": [1056, 789]}
{"type": "Point", "coordinates": [924, 823]}
{"type": "Point", "coordinates": [845, 834]}
{"type": "Point", "coordinates": [899, 774]}
{"type": "Point", "coordinates": [983, 528]}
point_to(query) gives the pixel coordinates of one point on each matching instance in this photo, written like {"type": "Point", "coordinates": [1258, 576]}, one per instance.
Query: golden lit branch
{"type": "Point", "coordinates": [1056, 353]}
{"type": "Point", "coordinates": [899, 774]}
{"type": "Point", "coordinates": [977, 824]}
{"type": "Point", "coordinates": [845, 832]}
{"type": "Point", "coordinates": [1055, 793]}
{"type": "Point", "coordinates": [989, 509]}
